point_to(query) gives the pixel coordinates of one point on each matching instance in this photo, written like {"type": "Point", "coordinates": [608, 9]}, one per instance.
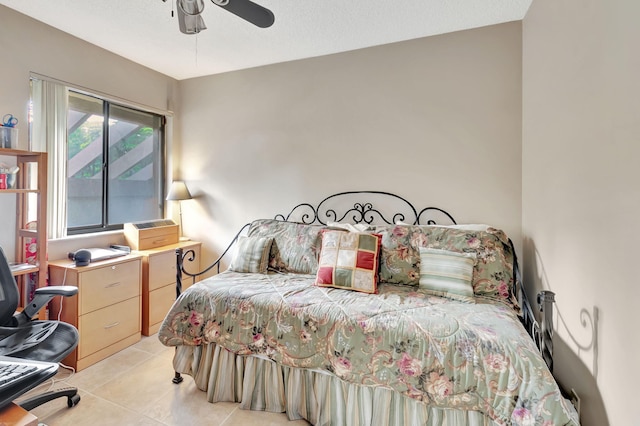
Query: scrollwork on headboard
{"type": "Point", "coordinates": [361, 207]}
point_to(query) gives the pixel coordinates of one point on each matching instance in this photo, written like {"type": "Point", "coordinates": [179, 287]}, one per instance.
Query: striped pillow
{"type": "Point", "coordinates": [447, 273]}
{"type": "Point", "coordinates": [252, 255]}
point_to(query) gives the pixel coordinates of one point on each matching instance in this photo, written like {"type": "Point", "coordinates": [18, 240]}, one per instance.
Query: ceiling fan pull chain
{"type": "Point", "coordinates": [172, 5]}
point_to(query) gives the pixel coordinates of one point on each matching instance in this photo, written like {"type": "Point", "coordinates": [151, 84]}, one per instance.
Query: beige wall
{"type": "Point", "coordinates": [31, 46]}
{"type": "Point", "coordinates": [581, 188]}
{"type": "Point", "coordinates": [436, 120]}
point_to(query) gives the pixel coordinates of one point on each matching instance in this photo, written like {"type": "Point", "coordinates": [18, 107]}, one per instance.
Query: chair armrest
{"type": "Point", "coordinates": [42, 296]}
{"type": "Point", "coordinates": [57, 290]}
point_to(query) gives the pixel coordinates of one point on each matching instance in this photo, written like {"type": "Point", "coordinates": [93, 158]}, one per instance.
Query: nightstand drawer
{"type": "Point", "coordinates": [160, 301]}
{"type": "Point", "coordinates": [162, 270]}
{"type": "Point", "coordinates": [107, 326]}
{"type": "Point", "coordinates": [107, 285]}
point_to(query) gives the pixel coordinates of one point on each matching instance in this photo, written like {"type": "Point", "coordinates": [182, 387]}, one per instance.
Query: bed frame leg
{"type": "Point", "coordinates": [545, 300]}
{"type": "Point", "coordinates": [177, 379]}
{"type": "Point", "coordinates": [179, 261]}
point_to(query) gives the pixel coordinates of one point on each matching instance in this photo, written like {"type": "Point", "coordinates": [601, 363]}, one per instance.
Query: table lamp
{"type": "Point", "coordinates": [179, 192]}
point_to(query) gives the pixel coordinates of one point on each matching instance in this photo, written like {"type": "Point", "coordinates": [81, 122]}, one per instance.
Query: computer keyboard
{"type": "Point", "coordinates": [15, 370]}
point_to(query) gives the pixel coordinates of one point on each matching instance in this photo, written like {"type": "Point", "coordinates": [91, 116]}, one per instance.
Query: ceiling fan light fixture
{"type": "Point", "coordinates": [189, 19]}
{"type": "Point", "coordinates": [191, 7]}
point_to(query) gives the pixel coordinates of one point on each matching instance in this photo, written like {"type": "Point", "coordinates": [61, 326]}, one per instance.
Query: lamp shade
{"type": "Point", "coordinates": [178, 191]}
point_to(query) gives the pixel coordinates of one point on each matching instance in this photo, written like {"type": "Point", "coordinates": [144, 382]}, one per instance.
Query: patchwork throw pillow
{"type": "Point", "coordinates": [252, 255]}
{"type": "Point", "coordinates": [447, 273]}
{"type": "Point", "coordinates": [349, 260]}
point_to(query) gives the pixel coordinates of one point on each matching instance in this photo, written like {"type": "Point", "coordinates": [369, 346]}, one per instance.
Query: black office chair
{"type": "Point", "coordinates": [20, 337]}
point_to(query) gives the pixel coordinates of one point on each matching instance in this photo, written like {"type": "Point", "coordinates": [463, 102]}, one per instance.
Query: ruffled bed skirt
{"type": "Point", "coordinates": [318, 397]}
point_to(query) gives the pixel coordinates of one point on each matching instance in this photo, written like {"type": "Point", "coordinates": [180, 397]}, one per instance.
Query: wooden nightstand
{"type": "Point", "coordinates": [106, 310]}
{"type": "Point", "coordinates": [159, 281]}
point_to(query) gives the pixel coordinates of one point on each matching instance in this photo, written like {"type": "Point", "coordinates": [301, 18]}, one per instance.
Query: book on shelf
{"type": "Point", "coordinates": [17, 267]}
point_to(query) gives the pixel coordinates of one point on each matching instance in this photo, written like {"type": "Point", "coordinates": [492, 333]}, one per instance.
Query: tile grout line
{"type": "Point", "coordinates": [98, 397]}
{"type": "Point", "coordinates": [151, 405]}
{"type": "Point", "coordinates": [61, 383]}
{"type": "Point", "coordinates": [122, 373]}
{"type": "Point", "coordinates": [230, 414]}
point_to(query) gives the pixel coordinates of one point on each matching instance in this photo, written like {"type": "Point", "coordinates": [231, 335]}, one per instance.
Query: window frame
{"type": "Point", "coordinates": [104, 226]}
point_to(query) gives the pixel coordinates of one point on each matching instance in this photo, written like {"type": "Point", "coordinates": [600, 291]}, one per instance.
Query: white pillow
{"type": "Point", "coordinates": [464, 227]}
{"type": "Point", "coordinates": [358, 227]}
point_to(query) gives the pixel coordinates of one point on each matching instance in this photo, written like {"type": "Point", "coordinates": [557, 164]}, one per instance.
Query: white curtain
{"type": "Point", "coordinates": [49, 134]}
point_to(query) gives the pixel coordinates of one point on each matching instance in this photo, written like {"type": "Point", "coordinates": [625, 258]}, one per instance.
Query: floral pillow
{"type": "Point", "coordinates": [349, 260]}
{"type": "Point", "coordinates": [492, 273]}
{"type": "Point", "coordinates": [295, 246]}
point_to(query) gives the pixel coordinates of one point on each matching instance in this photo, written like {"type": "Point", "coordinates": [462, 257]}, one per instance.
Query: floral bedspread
{"type": "Point", "coordinates": [439, 351]}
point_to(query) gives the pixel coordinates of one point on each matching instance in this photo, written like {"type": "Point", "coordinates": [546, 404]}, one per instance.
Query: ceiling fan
{"type": "Point", "coordinates": [190, 20]}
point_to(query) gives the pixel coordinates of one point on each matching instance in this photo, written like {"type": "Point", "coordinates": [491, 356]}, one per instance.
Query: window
{"type": "Point", "coordinates": [115, 164]}
{"type": "Point", "coordinates": [106, 159]}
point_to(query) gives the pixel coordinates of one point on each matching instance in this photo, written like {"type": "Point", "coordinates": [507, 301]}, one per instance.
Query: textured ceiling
{"type": "Point", "coordinates": [144, 31]}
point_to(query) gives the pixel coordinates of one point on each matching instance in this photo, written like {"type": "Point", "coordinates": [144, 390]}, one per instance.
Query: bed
{"type": "Point", "coordinates": [430, 327]}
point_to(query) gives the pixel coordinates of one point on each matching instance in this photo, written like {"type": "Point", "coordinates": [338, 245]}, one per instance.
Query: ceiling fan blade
{"type": "Point", "coordinates": [250, 11]}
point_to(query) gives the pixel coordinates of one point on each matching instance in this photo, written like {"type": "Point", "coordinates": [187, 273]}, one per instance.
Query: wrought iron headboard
{"type": "Point", "coordinates": [364, 211]}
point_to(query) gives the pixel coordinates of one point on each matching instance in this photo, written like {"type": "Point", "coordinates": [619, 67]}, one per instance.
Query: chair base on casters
{"type": "Point", "coordinates": [71, 393]}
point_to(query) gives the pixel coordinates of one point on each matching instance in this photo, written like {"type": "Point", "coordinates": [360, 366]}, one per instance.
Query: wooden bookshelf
{"type": "Point", "coordinates": [31, 187]}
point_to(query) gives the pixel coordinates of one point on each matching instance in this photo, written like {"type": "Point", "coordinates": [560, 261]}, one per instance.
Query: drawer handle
{"type": "Point", "coordinates": [112, 285]}
{"type": "Point", "coordinates": [112, 325]}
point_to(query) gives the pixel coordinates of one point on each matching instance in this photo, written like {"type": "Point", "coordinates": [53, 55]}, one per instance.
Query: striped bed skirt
{"type": "Point", "coordinates": [319, 397]}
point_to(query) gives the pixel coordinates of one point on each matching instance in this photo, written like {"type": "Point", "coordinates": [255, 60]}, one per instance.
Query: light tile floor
{"type": "Point", "coordinates": [133, 387]}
